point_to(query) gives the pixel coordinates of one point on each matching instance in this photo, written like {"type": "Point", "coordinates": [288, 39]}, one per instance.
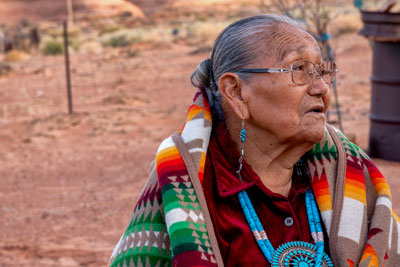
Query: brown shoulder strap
{"type": "Point", "coordinates": [337, 201]}
{"type": "Point", "coordinates": [200, 194]}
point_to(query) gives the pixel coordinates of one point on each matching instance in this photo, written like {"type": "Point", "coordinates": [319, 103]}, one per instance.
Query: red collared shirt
{"type": "Point", "coordinates": [284, 218]}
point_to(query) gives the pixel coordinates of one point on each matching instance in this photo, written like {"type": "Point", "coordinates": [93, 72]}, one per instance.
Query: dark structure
{"type": "Point", "coordinates": [383, 29]}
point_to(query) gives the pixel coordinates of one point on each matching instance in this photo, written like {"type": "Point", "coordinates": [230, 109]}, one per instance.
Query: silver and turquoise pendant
{"type": "Point", "coordinates": [298, 254]}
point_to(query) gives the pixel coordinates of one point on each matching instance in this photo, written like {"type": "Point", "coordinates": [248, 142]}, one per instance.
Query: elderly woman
{"type": "Point", "coordinates": [256, 177]}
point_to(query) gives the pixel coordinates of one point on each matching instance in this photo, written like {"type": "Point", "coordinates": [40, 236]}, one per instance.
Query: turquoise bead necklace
{"type": "Point", "coordinates": [296, 253]}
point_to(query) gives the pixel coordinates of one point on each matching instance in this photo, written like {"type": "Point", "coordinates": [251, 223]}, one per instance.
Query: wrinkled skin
{"type": "Point", "coordinates": [277, 105]}
{"type": "Point", "coordinates": [281, 121]}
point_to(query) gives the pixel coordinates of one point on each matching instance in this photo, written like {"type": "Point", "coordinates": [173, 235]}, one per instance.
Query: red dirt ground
{"type": "Point", "coordinates": [69, 183]}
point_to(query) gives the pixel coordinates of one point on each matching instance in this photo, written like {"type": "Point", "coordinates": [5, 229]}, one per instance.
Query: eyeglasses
{"type": "Point", "coordinates": [303, 71]}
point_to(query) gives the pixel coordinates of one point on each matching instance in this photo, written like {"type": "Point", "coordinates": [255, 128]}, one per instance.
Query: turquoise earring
{"type": "Point", "coordinates": [242, 138]}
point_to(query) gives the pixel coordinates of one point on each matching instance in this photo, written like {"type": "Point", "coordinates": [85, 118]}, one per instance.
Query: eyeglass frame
{"type": "Point", "coordinates": [285, 70]}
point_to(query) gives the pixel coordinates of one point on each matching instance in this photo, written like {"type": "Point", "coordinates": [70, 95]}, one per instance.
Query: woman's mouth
{"type": "Point", "coordinates": [316, 109]}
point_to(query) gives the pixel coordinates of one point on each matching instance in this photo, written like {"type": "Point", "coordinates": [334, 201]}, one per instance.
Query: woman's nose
{"type": "Point", "coordinates": [318, 86]}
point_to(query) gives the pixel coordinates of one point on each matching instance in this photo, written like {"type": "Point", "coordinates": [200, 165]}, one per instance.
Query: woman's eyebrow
{"type": "Point", "coordinates": [286, 55]}
{"type": "Point", "coordinates": [298, 53]}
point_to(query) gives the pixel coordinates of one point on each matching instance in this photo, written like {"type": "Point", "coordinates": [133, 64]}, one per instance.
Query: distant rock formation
{"type": "Point", "coordinates": [106, 7]}
{"type": "Point", "coordinates": [15, 11]}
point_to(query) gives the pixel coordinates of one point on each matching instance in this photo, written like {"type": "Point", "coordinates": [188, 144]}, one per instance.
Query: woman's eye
{"type": "Point", "coordinates": [299, 67]}
{"type": "Point", "coordinates": [326, 72]}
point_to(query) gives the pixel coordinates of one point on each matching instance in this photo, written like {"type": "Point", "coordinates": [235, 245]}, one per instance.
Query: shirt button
{"type": "Point", "coordinates": [289, 221]}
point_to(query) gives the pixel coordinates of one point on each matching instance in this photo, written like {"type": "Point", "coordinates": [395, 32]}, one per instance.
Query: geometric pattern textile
{"type": "Point", "coordinates": [168, 226]}
{"type": "Point", "coordinates": [186, 226]}
{"type": "Point", "coordinates": [171, 225]}
{"type": "Point", "coordinates": [361, 226]}
{"type": "Point", "coordinates": [145, 242]}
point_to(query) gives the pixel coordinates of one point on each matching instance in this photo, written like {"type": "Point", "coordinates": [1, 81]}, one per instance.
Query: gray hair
{"type": "Point", "coordinates": [236, 47]}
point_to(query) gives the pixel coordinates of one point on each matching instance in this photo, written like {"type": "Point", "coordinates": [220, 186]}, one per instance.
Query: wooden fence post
{"type": "Point", "coordinates": [67, 68]}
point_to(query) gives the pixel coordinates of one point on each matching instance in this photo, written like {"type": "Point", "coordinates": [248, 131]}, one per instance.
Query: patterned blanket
{"type": "Point", "coordinates": [171, 225]}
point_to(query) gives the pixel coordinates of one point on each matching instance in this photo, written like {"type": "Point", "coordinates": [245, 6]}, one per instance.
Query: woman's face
{"type": "Point", "coordinates": [290, 112]}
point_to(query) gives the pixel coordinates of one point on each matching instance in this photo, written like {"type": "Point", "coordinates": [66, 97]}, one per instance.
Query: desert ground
{"type": "Point", "coordinates": [69, 182]}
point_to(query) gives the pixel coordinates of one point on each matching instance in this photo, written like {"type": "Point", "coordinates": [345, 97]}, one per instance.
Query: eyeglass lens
{"type": "Point", "coordinates": [304, 71]}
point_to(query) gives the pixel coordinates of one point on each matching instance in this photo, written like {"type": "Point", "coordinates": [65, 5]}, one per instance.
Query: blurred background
{"type": "Point", "coordinates": [69, 182]}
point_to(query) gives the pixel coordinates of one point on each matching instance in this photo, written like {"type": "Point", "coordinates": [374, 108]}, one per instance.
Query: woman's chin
{"type": "Point", "coordinates": [312, 134]}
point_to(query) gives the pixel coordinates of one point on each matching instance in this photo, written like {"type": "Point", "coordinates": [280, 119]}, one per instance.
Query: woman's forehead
{"type": "Point", "coordinates": [307, 50]}
{"type": "Point", "coordinates": [291, 42]}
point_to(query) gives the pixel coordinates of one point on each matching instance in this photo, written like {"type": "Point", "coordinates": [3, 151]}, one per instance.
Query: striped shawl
{"type": "Point", "coordinates": [171, 224]}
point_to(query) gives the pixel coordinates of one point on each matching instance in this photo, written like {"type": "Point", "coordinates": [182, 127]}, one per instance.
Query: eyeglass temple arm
{"type": "Point", "coordinates": [281, 70]}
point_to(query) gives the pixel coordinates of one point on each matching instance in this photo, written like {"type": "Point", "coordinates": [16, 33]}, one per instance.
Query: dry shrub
{"type": "Point", "coordinates": [53, 47]}
{"type": "Point", "coordinates": [347, 23]}
{"type": "Point", "coordinates": [58, 31]}
{"type": "Point", "coordinates": [205, 31]}
{"type": "Point", "coordinates": [54, 32]}
{"type": "Point", "coordinates": [109, 28]}
{"type": "Point", "coordinates": [126, 37]}
{"type": "Point", "coordinates": [118, 39]}
{"type": "Point", "coordinates": [15, 56]}
{"type": "Point", "coordinates": [91, 47]}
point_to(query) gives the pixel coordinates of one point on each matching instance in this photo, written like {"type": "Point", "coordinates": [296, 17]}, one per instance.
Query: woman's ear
{"type": "Point", "coordinates": [230, 87]}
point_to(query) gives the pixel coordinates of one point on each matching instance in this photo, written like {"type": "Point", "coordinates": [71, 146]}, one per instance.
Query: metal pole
{"type": "Point", "coordinates": [337, 105]}
{"type": "Point", "coordinates": [67, 69]}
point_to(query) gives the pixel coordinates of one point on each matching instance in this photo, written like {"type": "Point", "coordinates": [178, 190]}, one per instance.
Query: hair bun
{"type": "Point", "coordinates": [201, 76]}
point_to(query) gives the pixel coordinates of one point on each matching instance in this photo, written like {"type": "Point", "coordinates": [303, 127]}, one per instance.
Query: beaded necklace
{"type": "Point", "coordinates": [296, 253]}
